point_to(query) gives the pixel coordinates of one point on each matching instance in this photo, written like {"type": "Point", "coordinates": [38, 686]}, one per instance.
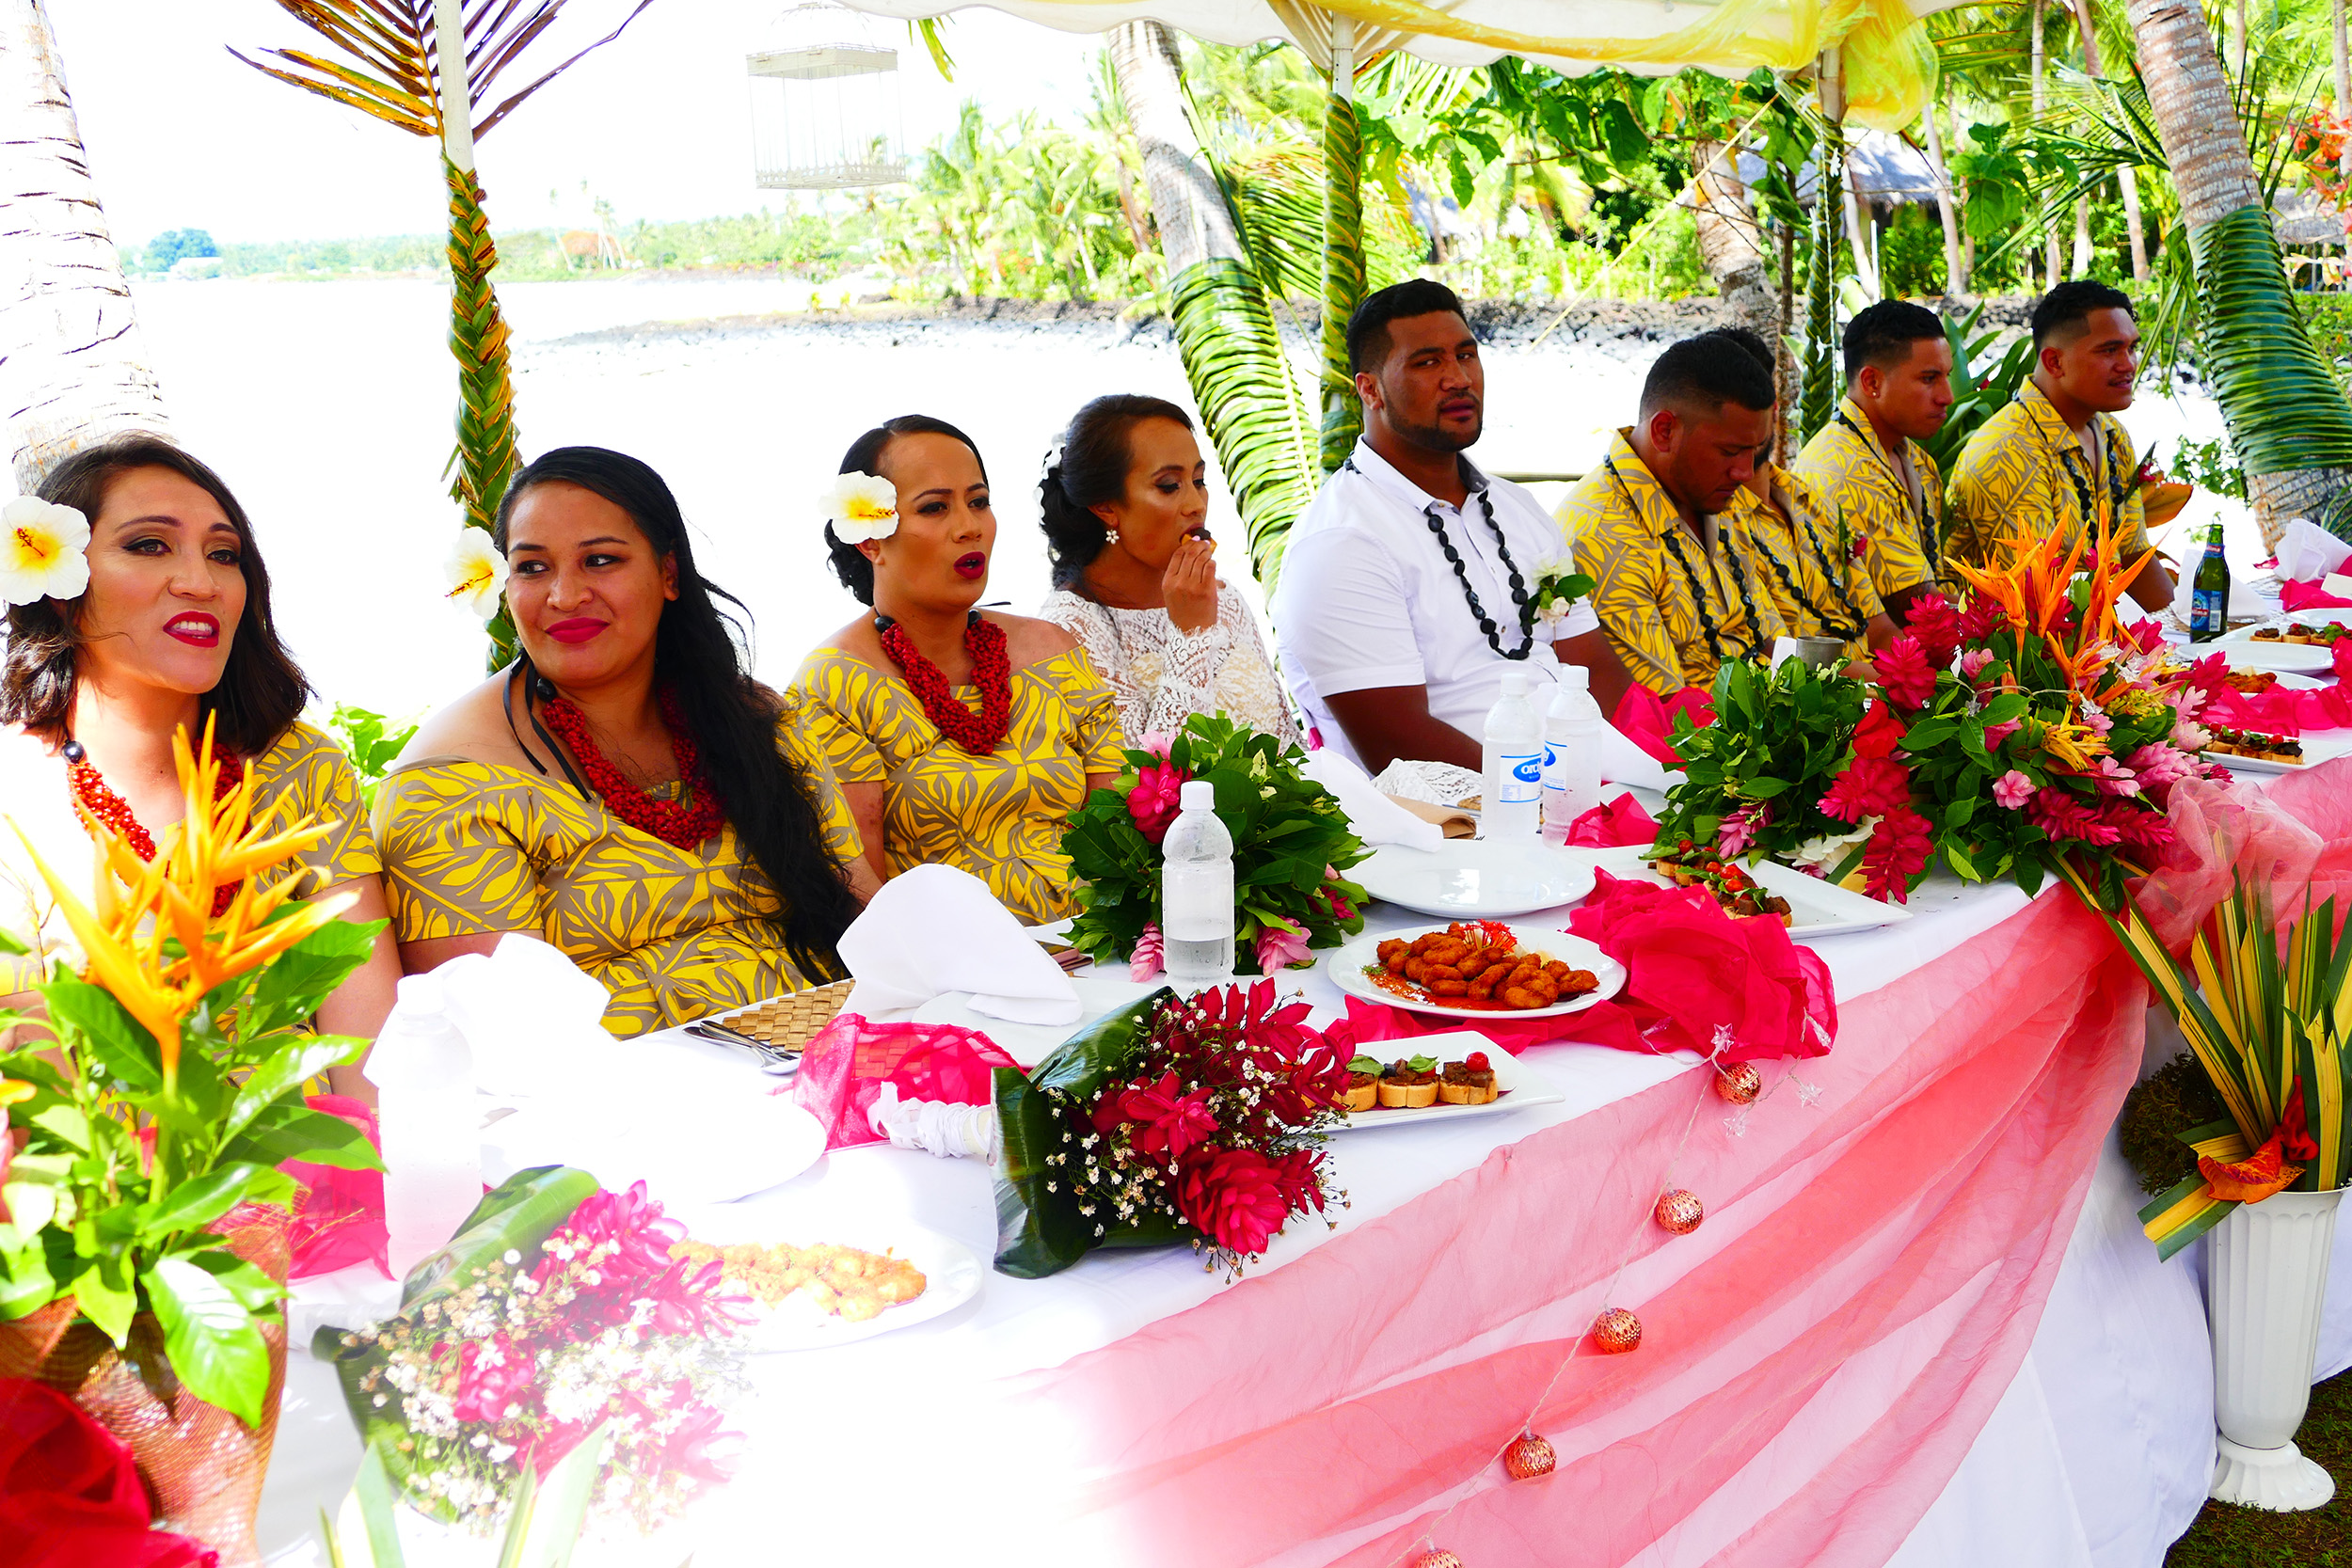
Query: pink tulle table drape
{"type": "Point", "coordinates": [1883, 1229]}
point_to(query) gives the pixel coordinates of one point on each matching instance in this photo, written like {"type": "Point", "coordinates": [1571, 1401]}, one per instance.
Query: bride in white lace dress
{"type": "Point", "coordinates": [1123, 505]}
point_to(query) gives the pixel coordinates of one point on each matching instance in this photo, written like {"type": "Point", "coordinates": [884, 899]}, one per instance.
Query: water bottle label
{"type": "Point", "coordinates": [1522, 778]}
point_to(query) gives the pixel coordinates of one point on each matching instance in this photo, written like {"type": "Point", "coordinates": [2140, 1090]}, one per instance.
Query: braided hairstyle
{"type": "Point", "coordinates": [1091, 469]}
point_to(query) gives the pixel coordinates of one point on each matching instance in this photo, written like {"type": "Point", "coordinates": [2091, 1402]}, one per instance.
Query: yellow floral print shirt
{"type": "Point", "coordinates": [473, 848]}
{"type": "Point", "coordinates": [303, 769]}
{"type": "Point", "coordinates": [1673, 609]}
{"type": "Point", "coordinates": [2024, 477]}
{"type": "Point", "coordinates": [999, 816]}
{"type": "Point", "coordinates": [1899, 534]}
{"type": "Point", "coordinates": [1817, 595]}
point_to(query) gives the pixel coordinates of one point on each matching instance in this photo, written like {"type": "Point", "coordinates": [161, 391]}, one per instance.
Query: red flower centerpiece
{"type": "Point", "coordinates": [1169, 1121]}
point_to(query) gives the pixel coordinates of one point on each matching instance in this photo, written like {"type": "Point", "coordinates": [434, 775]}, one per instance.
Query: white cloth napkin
{"type": "Point", "coordinates": [2307, 552]}
{"type": "Point", "coordinates": [1375, 818]}
{"type": "Point", "coordinates": [532, 1017]}
{"type": "Point", "coordinates": [1623, 762]}
{"type": "Point", "coordinates": [936, 929]}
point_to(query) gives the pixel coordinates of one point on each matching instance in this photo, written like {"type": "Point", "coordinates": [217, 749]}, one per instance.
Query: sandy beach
{"type": "Point", "coordinates": [327, 407]}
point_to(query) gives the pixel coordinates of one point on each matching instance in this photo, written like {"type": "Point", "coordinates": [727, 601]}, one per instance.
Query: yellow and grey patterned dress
{"type": "Point", "coordinates": [2024, 477]}
{"type": "Point", "coordinates": [474, 847]}
{"type": "Point", "coordinates": [1817, 593]}
{"type": "Point", "coordinates": [1901, 533]}
{"type": "Point", "coordinates": [1673, 608]}
{"type": "Point", "coordinates": [999, 816]}
{"type": "Point", "coordinates": [303, 769]}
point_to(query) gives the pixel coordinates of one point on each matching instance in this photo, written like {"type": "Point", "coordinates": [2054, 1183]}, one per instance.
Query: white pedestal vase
{"type": "Point", "coordinates": [2266, 1271]}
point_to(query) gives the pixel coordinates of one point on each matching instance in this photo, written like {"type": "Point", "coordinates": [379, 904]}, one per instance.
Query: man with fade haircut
{"type": "Point", "coordinates": [1676, 574]}
{"type": "Point", "coordinates": [1867, 460]}
{"type": "Point", "coordinates": [1408, 587]}
{"type": "Point", "coordinates": [1818, 586]}
{"type": "Point", "coordinates": [2057, 459]}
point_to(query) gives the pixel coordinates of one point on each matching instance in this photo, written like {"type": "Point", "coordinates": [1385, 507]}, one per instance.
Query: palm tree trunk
{"type": "Point", "coordinates": [1727, 233]}
{"type": "Point", "coordinates": [1193, 222]}
{"type": "Point", "coordinates": [1947, 209]}
{"type": "Point", "coordinates": [2287, 419]}
{"type": "Point", "coordinates": [2082, 258]}
{"type": "Point", "coordinates": [72, 367]}
{"type": "Point", "coordinates": [2126, 176]}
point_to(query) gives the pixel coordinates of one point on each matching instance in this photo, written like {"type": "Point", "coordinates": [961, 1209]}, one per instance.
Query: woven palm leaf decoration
{"type": "Point", "coordinates": [1817, 397]}
{"type": "Point", "coordinates": [384, 63]}
{"type": "Point", "coordinates": [1342, 272]}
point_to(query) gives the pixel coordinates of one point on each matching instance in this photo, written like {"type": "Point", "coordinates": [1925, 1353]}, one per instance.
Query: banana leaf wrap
{"type": "Point", "coordinates": [1040, 1231]}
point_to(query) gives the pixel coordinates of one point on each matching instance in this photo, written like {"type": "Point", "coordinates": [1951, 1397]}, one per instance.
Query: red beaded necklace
{"type": "Point", "coordinates": [992, 672]}
{"type": "Point", "coordinates": [105, 806]}
{"type": "Point", "coordinates": [682, 824]}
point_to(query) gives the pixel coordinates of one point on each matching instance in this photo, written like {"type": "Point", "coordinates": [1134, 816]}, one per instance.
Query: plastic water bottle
{"type": "Point", "coordinates": [1197, 893]}
{"type": "Point", "coordinates": [1515, 762]}
{"type": "Point", "coordinates": [426, 1114]}
{"type": "Point", "coordinates": [1572, 733]}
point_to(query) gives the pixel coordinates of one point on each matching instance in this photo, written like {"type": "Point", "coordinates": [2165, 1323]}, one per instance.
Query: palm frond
{"type": "Point", "coordinates": [1233, 360]}
{"type": "Point", "coordinates": [1342, 275]}
{"type": "Point", "coordinates": [2278, 397]}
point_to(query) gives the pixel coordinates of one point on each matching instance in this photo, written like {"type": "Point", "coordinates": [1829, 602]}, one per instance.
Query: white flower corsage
{"type": "Point", "coordinates": [1558, 585]}
{"type": "Point", "coordinates": [862, 507]}
{"type": "Point", "coordinates": [44, 551]}
{"type": "Point", "coordinates": [476, 573]}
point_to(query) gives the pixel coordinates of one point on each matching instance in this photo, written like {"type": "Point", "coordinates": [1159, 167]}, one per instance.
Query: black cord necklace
{"type": "Point", "coordinates": [1915, 505]}
{"type": "Point", "coordinates": [1520, 603]}
{"type": "Point", "coordinates": [1673, 540]}
{"type": "Point", "coordinates": [1845, 630]}
{"type": "Point", "coordinates": [2073, 460]}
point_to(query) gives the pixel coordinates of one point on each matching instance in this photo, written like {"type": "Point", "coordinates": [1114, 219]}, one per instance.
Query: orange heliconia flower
{"type": "Point", "coordinates": [153, 907]}
{"type": "Point", "coordinates": [2252, 1179]}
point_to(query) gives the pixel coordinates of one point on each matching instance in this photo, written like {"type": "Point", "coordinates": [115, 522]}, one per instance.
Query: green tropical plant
{"type": "Point", "coordinates": [391, 69]}
{"type": "Point", "coordinates": [1978, 390]}
{"type": "Point", "coordinates": [163, 1087]}
{"type": "Point", "coordinates": [372, 742]}
{"type": "Point", "coordinates": [1342, 272]}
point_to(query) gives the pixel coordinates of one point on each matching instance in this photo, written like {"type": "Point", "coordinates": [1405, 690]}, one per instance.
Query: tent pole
{"type": "Point", "coordinates": [1343, 245]}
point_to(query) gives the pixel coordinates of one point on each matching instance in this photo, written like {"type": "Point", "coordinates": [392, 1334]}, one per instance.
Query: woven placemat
{"type": "Point", "coordinates": [789, 1022]}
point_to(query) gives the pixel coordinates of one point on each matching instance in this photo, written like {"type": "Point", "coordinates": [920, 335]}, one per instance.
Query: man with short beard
{"type": "Point", "coordinates": [2057, 459]}
{"type": "Point", "coordinates": [1899, 388]}
{"type": "Point", "coordinates": [1408, 587]}
{"type": "Point", "coordinates": [1680, 581]}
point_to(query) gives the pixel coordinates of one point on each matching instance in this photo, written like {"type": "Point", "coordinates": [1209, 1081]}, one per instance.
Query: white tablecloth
{"type": "Point", "coordinates": [2100, 1452]}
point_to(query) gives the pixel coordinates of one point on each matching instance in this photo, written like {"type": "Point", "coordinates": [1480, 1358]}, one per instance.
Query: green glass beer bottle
{"type": "Point", "coordinates": [2209, 594]}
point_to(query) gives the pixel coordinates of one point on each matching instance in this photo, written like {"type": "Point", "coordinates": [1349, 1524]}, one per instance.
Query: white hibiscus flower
{"type": "Point", "coordinates": [44, 551]}
{"type": "Point", "coordinates": [476, 573]}
{"type": "Point", "coordinates": [862, 507]}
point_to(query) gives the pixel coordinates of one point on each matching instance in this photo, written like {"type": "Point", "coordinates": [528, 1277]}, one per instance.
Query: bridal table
{"type": "Point", "coordinates": [1919, 1324]}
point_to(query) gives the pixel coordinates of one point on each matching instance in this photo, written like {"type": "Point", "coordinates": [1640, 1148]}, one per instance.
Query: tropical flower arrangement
{"type": "Point", "coordinates": [172, 1089]}
{"type": "Point", "coordinates": [525, 1337]}
{"type": "Point", "coordinates": [1292, 842]}
{"type": "Point", "coordinates": [2271, 1035]}
{"type": "Point", "coordinates": [1169, 1120]}
{"type": "Point", "coordinates": [2028, 728]}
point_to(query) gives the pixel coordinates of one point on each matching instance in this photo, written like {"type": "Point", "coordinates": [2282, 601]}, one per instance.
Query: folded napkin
{"type": "Point", "coordinates": [1375, 818]}
{"type": "Point", "coordinates": [1644, 722]}
{"type": "Point", "coordinates": [2307, 552]}
{"type": "Point", "coordinates": [1614, 823]}
{"type": "Point", "coordinates": [936, 929]}
{"type": "Point", "coordinates": [533, 1019]}
{"type": "Point", "coordinates": [2282, 710]}
{"type": "Point", "coordinates": [857, 1079]}
{"type": "Point", "coordinates": [2332, 591]}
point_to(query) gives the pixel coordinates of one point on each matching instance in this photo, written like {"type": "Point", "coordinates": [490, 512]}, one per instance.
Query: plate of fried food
{"type": "Point", "coordinates": [1477, 969]}
{"type": "Point", "coordinates": [810, 1293]}
{"type": "Point", "coordinates": [1457, 1072]}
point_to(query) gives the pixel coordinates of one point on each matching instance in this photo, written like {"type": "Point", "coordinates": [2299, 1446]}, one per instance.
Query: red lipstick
{"type": "Point", "coordinates": [973, 566]}
{"type": "Point", "coordinates": [198, 629]}
{"type": "Point", "coordinates": [579, 629]}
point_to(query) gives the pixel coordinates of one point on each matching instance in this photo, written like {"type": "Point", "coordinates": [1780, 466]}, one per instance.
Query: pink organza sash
{"type": "Point", "coordinates": [2279, 711]}
{"type": "Point", "coordinates": [339, 1219]}
{"type": "Point", "coordinates": [842, 1069]}
{"type": "Point", "coordinates": [1646, 720]}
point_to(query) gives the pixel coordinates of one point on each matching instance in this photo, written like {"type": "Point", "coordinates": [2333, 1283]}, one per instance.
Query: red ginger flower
{"type": "Point", "coordinates": [1879, 731]}
{"type": "Point", "coordinates": [1156, 798]}
{"type": "Point", "coordinates": [1871, 787]}
{"type": "Point", "coordinates": [2064, 816]}
{"type": "Point", "coordinates": [1233, 1196]}
{"type": "Point", "coordinates": [1898, 850]}
{"type": "Point", "coordinates": [1904, 673]}
{"type": "Point", "coordinates": [1936, 626]}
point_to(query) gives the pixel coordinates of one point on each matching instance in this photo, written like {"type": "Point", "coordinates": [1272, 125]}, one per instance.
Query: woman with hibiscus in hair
{"type": "Point", "coordinates": [961, 736]}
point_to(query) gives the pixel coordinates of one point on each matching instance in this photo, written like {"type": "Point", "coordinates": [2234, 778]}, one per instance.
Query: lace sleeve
{"type": "Point", "coordinates": [1188, 664]}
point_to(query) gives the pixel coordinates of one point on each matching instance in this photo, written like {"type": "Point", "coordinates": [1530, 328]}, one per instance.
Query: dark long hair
{"type": "Point", "coordinates": [261, 691]}
{"type": "Point", "coordinates": [701, 653]}
{"type": "Point", "coordinates": [1098, 451]}
{"type": "Point", "coordinates": [855, 571]}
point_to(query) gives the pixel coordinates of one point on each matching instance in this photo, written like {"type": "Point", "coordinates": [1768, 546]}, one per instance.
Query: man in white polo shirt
{"type": "Point", "coordinates": [1408, 587]}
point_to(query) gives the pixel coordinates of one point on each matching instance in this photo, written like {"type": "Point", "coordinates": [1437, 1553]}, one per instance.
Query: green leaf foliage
{"type": "Point", "coordinates": [1233, 361]}
{"type": "Point", "coordinates": [516, 1215]}
{"type": "Point", "coordinates": [90, 1015]}
{"type": "Point", "coordinates": [2283, 407]}
{"type": "Point", "coordinates": [1782, 735]}
{"type": "Point", "coordinates": [215, 1347]}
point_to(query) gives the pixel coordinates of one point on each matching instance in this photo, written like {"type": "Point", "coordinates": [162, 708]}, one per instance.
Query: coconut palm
{"type": "Point", "coordinates": [2288, 420]}
{"type": "Point", "coordinates": [426, 66]}
{"type": "Point", "coordinates": [72, 367]}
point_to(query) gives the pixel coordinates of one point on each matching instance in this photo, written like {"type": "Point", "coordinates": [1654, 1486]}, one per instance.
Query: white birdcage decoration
{"type": "Point", "coordinates": [825, 104]}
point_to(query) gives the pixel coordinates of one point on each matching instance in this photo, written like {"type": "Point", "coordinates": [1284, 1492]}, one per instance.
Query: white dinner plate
{"type": "Point", "coordinates": [1475, 878]}
{"type": "Point", "coordinates": [1520, 1084]}
{"type": "Point", "coordinates": [1345, 967]}
{"type": "Point", "coordinates": [2287, 659]}
{"type": "Point", "coordinates": [951, 1274]}
{"type": "Point", "coordinates": [1816, 908]}
{"type": "Point", "coordinates": [2326, 746]}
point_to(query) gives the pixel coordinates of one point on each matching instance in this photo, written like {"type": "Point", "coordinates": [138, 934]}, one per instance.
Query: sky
{"type": "Point", "coordinates": [181, 134]}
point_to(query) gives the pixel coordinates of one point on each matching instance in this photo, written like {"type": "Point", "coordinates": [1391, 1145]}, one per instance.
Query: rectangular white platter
{"type": "Point", "coordinates": [1520, 1084]}
{"type": "Point", "coordinates": [1817, 909]}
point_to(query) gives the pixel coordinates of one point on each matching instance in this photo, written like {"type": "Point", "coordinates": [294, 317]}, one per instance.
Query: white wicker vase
{"type": "Point", "coordinates": [2266, 1270]}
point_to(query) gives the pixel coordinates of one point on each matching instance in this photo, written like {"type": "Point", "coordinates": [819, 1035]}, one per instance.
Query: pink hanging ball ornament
{"type": "Point", "coordinates": [1740, 1082]}
{"type": "Point", "coordinates": [1440, 1558]}
{"type": "Point", "coordinates": [1680, 1211]}
{"type": "Point", "coordinates": [1616, 1331]}
{"type": "Point", "coordinates": [1527, 1457]}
